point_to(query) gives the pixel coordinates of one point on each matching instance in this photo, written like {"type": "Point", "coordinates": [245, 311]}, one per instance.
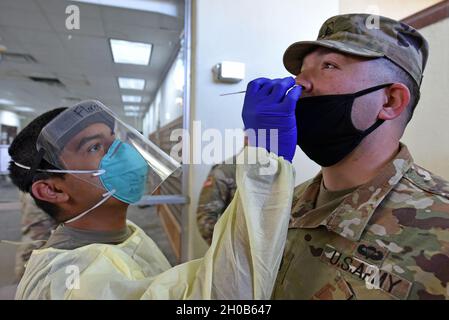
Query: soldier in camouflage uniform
{"type": "Point", "coordinates": [216, 194]}
{"type": "Point", "coordinates": [36, 225]}
{"type": "Point", "coordinates": [388, 237]}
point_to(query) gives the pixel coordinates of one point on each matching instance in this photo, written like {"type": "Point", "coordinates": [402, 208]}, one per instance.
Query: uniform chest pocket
{"type": "Point", "coordinates": [305, 277]}
{"type": "Point", "coordinates": [336, 289]}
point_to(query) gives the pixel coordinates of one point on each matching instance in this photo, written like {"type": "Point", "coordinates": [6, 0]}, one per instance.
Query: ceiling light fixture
{"type": "Point", "coordinates": [133, 99]}
{"type": "Point", "coordinates": [132, 114]}
{"type": "Point", "coordinates": [131, 83]}
{"type": "Point", "coordinates": [131, 108]}
{"type": "Point", "coordinates": [23, 109]}
{"type": "Point", "coordinates": [130, 52]}
{"type": "Point", "coordinates": [165, 7]}
{"type": "Point", "coordinates": [6, 101]}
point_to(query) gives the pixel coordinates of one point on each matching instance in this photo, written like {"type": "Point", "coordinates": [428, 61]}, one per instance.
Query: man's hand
{"type": "Point", "coordinates": [267, 107]}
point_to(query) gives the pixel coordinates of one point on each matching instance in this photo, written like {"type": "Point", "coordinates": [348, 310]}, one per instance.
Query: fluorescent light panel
{"type": "Point", "coordinates": [23, 109]}
{"type": "Point", "coordinates": [6, 101]}
{"type": "Point", "coordinates": [163, 7]}
{"type": "Point", "coordinates": [132, 114]}
{"type": "Point", "coordinates": [132, 99]}
{"type": "Point", "coordinates": [130, 52]}
{"type": "Point", "coordinates": [131, 83]}
{"type": "Point", "coordinates": [132, 108]}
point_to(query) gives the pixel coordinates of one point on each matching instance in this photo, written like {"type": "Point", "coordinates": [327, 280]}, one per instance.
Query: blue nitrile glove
{"type": "Point", "coordinates": [267, 107]}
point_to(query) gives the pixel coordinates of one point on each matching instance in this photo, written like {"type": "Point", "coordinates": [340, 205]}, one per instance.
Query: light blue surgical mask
{"type": "Point", "coordinates": [125, 172]}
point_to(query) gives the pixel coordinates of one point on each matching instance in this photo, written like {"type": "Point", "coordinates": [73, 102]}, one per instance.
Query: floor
{"type": "Point", "coordinates": [146, 218]}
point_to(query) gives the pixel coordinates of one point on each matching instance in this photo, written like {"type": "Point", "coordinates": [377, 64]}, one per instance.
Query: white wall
{"type": "Point", "coordinates": [151, 118]}
{"type": "Point", "coordinates": [397, 9]}
{"type": "Point", "coordinates": [167, 105]}
{"type": "Point", "coordinates": [171, 92]}
{"type": "Point", "coordinates": [427, 135]}
{"type": "Point", "coordinates": [255, 32]}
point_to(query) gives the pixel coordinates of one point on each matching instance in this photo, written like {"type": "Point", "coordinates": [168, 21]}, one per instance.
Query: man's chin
{"type": "Point", "coordinates": [116, 203]}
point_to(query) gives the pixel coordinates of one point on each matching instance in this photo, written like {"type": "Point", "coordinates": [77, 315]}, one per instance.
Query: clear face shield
{"type": "Point", "coordinates": [88, 142]}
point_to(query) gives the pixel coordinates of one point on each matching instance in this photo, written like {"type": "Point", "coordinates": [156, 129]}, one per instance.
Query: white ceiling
{"type": "Point", "coordinates": [81, 59]}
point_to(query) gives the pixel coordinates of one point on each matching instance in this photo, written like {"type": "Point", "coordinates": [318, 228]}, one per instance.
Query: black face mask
{"type": "Point", "coordinates": [326, 133]}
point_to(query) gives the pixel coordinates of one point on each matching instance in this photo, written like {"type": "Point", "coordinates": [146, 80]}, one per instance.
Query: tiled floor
{"type": "Point", "coordinates": [146, 218]}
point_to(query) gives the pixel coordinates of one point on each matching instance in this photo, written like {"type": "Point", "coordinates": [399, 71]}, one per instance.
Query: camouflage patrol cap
{"type": "Point", "coordinates": [356, 34]}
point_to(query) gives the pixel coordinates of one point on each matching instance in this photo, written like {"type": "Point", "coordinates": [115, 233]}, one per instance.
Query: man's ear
{"type": "Point", "coordinates": [49, 190]}
{"type": "Point", "coordinates": [397, 99]}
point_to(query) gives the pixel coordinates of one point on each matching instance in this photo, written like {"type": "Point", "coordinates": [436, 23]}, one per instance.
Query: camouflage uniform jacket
{"type": "Point", "coordinates": [217, 192]}
{"type": "Point", "coordinates": [388, 239]}
{"type": "Point", "coordinates": [36, 225]}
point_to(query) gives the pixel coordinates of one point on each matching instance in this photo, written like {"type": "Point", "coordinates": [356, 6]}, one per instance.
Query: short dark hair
{"type": "Point", "coordinates": [397, 74]}
{"type": "Point", "coordinates": [23, 151]}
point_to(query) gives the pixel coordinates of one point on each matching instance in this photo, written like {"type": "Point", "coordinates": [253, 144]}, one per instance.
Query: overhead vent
{"type": "Point", "coordinates": [18, 57]}
{"type": "Point", "coordinates": [49, 81]}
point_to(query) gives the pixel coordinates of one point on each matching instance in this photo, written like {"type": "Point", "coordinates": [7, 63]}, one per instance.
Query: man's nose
{"type": "Point", "coordinates": [306, 84]}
